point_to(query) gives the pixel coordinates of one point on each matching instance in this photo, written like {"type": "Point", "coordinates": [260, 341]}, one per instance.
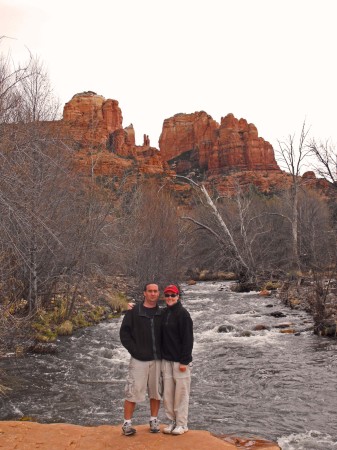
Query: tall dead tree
{"type": "Point", "coordinates": [292, 157]}
{"type": "Point", "coordinates": [325, 160]}
{"type": "Point", "coordinates": [223, 234]}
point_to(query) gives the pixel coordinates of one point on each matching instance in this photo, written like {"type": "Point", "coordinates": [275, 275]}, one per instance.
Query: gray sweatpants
{"type": "Point", "coordinates": [176, 391]}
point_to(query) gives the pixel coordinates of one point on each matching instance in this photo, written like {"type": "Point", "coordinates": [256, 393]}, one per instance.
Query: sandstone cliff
{"type": "Point", "coordinates": [222, 154]}
{"type": "Point", "coordinates": [188, 141]}
{"type": "Point", "coordinates": [104, 147]}
{"type": "Point", "coordinates": [196, 141]}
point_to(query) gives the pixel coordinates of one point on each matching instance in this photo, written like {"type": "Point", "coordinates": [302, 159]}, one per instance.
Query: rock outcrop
{"type": "Point", "coordinates": [94, 122]}
{"type": "Point", "coordinates": [62, 436]}
{"type": "Point", "coordinates": [226, 154]}
{"type": "Point", "coordinates": [91, 119]}
{"type": "Point", "coordinates": [197, 142]}
{"type": "Point", "coordinates": [186, 133]}
{"type": "Point", "coordinates": [104, 147]}
{"type": "Point", "coordinates": [188, 142]}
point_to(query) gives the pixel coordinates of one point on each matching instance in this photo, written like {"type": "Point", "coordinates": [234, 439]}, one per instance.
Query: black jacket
{"type": "Point", "coordinates": [177, 334]}
{"type": "Point", "coordinates": [140, 334]}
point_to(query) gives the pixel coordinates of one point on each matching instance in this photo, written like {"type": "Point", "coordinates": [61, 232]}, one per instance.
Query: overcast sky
{"type": "Point", "coordinates": [272, 62]}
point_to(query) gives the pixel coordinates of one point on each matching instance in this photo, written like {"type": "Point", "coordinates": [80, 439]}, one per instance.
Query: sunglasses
{"type": "Point", "coordinates": [171, 295]}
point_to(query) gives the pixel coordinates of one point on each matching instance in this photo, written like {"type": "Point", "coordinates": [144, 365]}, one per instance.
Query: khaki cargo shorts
{"type": "Point", "coordinates": [143, 376]}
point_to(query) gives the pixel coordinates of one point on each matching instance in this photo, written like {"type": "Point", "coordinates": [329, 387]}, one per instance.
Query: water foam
{"type": "Point", "coordinates": [311, 440]}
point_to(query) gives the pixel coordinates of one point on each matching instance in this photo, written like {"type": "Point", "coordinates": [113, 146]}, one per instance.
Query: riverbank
{"type": "Point", "coordinates": [21, 332]}
{"type": "Point", "coordinates": [37, 334]}
{"type": "Point", "coordinates": [316, 296]}
{"type": "Point", "coordinates": [31, 436]}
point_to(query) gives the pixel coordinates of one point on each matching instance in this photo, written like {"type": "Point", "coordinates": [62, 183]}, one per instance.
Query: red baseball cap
{"type": "Point", "coordinates": [171, 288]}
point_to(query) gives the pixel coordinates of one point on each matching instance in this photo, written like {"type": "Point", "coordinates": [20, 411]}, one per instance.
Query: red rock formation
{"type": "Point", "coordinates": [310, 175]}
{"type": "Point", "coordinates": [234, 144]}
{"type": "Point", "coordinates": [185, 132]}
{"type": "Point", "coordinates": [130, 138]}
{"type": "Point", "coordinates": [146, 141]}
{"type": "Point", "coordinates": [229, 153]}
{"type": "Point", "coordinates": [90, 118]}
{"type": "Point", "coordinates": [190, 142]}
{"type": "Point", "coordinates": [96, 125]}
{"type": "Point", "coordinates": [240, 148]}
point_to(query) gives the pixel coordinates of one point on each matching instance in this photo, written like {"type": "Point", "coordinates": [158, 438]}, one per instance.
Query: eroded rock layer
{"type": "Point", "coordinates": [193, 144]}
{"type": "Point", "coordinates": [196, 141]}
{"type": "Point", "coordinates": [105, 148]}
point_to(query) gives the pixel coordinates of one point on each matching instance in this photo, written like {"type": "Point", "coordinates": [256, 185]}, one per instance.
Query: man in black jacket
{"type": "Point", "coordinates": [140, 334]}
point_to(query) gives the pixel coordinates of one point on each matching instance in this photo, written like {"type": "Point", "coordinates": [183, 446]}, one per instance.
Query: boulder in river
{"type": "Point", "coordinates": [283, 325]}
{"type": "Point", "coordinates": [44, 348]}
{"type": "Point", "coordinates": [265, 293]}
{"type": "Point", "coordinates": [261, 327]}
{"type": "Point", "coordinates": [225, 328]}
{"type": "Point", "coordinates": [277, 314]}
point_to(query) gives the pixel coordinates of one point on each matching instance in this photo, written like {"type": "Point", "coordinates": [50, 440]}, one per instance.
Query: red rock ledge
{"type": "Point", "coordinates": [31, 436]}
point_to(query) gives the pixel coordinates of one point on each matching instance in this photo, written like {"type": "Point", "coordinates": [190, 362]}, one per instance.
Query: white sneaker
{"type": "Point", "coordinates": [169, 428]}
{"type": "Point", "coordinates": [180, 430]}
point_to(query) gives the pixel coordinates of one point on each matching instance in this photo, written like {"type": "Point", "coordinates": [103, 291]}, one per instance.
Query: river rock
{"type": "Point", "coordinates": [225, 328]}
{"type": "Point", "coordinates": [245, 333]}
{"type": "Point", "coordinates": [44, 348]}
{"type": "Point", "coordinates": [277, 314]}
{"type": "Point", "coordinates": [283, 325]}
{"type": "Point", "coordinates": [265, 293]}
{"type": "Point", "coordinates": [243, 287]}
{"type": "Point", "coordinates": [261, 327]}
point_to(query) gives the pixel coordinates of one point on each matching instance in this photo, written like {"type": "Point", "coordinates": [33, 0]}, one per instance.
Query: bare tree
{"type": "Point", "coordinates": [11, 76]}
{"type": "Point", "coordinates": [37, 100]}
{"type": "Point", "coordinates": [326, 160]}
{"type": "Point", "coordinates": [293, 156]}
{"type": "Point", "coordinates": [150, 236]}
{"type": "Point", "coordinates": [221, 230]}
{"type": "Point", "coordinates": [53, 223]}
{"type": "Point", "coordinates": [317, 242]}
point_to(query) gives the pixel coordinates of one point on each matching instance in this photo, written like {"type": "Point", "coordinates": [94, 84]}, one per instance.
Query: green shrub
{"type": "Point", "coordinates": [79, 321]}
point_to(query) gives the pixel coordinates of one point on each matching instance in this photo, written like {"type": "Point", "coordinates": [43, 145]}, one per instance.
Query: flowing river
{"type": "Point", "coordinates": [278, 386]}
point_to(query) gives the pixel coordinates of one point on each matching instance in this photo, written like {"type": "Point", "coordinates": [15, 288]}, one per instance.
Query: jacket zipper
{"type": "Point", "coordinates": [168, 316]}
{"type": "Point", "coordinates": [153, 339]}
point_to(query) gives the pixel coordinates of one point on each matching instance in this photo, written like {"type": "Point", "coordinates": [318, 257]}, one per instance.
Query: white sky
{"type": "Point", "coordinates": [272, 62]}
